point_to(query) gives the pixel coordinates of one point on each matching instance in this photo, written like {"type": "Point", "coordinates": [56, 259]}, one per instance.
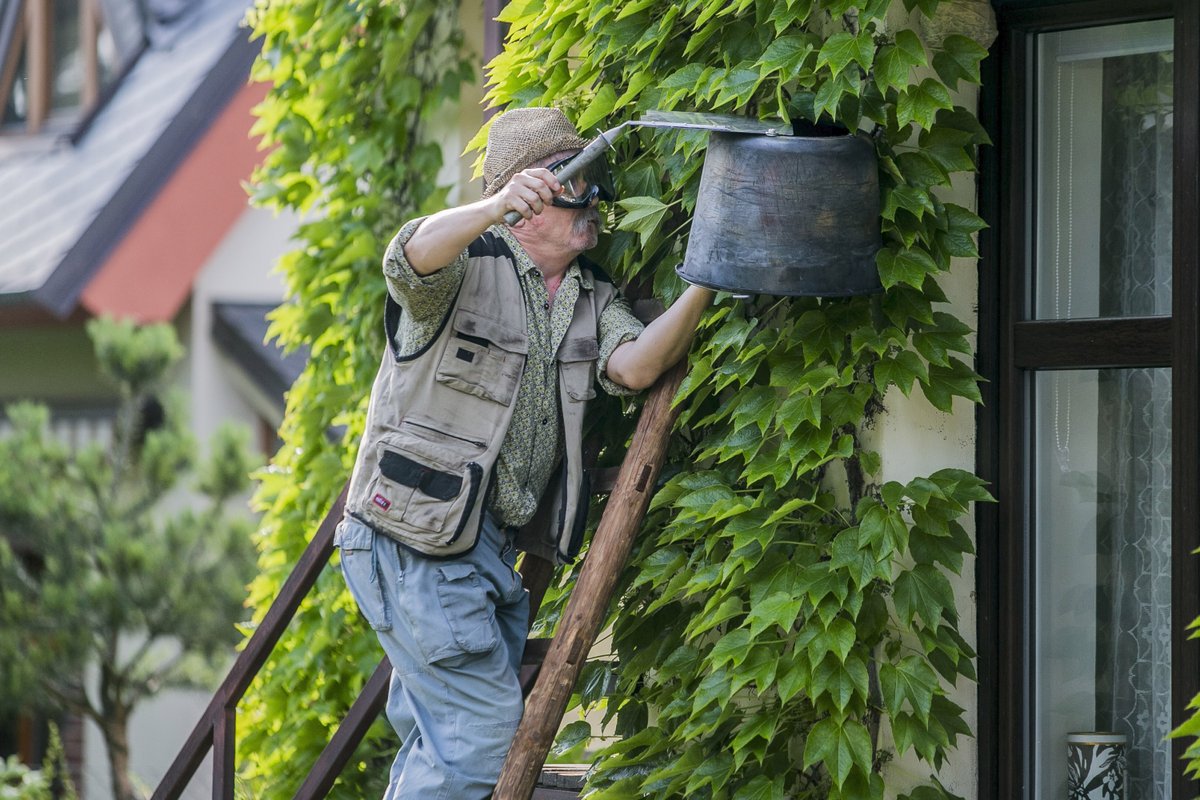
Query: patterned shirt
{"type": "Point", "coordinates": [525, 463]}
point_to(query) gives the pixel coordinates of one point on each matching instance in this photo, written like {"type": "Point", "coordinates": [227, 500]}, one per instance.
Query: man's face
{"type": "Point", "coordinates": [572, 229]}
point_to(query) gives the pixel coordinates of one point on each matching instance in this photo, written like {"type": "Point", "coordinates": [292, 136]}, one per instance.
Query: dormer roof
{"type": "Point", "coordinates": [66, 205]}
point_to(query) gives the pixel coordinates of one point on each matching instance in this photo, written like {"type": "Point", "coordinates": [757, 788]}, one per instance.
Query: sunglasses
{"type": "Point", "coordinates": [595, 181]}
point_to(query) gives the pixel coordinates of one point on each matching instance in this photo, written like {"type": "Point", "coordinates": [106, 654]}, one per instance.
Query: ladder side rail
{"type": "Point", "coordinates": [593, 590]}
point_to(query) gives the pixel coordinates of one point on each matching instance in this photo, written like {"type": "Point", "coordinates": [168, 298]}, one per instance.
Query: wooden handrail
{"type": "Point", "coordinates": [217, 725]}
{"type": "Point", "coordinates": [216, 728]}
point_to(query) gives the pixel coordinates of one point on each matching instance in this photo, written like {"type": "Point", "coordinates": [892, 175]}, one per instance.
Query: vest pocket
{"type": "Point", "coordinates": [482, 359]}
{"type": "Point", "coordinates": [577, 367]}
{"type": "Point", "coordinates": [425, 480]}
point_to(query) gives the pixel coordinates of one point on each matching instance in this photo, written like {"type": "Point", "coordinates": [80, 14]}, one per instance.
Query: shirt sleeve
{"type": "Point", "coordinates": [617, 326]}
{"type": "Point", "coordinates": [424, 298]}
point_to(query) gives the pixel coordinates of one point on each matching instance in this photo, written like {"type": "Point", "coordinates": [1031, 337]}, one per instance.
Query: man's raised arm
{"type": "Point", "coordinates": [443, 236]}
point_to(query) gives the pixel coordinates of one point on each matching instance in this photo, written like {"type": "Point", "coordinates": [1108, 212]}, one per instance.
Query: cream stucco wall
{"type": "Point", "coordinates": [913, 438]}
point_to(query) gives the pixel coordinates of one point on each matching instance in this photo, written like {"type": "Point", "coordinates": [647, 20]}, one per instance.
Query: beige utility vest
{"type": "Point", "coordinates": [438, 417]}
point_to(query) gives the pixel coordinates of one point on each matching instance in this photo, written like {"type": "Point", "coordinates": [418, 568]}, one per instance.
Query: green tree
{"type": "Point", "coordinates": [786, 600]}
{"type": "Point", "coordinates": [95, 572]}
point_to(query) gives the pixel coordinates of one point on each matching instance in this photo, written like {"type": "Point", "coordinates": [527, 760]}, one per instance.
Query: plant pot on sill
{"type": "Point", "coordinates": [1096, 765]}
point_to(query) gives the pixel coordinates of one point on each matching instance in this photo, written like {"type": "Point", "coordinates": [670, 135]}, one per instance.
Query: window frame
{"type": "Point", "coordinates": [1012, 347]}
{"type": "Point", "coordinates": [28, 25]}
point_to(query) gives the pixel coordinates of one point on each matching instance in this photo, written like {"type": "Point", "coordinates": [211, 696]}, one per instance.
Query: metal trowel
{"type": "Point", "coordinates": [696, 120]}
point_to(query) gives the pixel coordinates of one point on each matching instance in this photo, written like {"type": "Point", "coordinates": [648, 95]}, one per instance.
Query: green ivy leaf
{"type": "Point", "coordinates": [952, 150]}
{"type": "Point", "coordinates": [948, 382]}
{"type": "Point", "coordinates": [895, 61]}
{"type": "Point", "coordinates": [840, 747]}
{"type": "Point", "coordinates": [912, 199]}
{"type": "Point", "coordinates": [843, 49]}
{"type": "Point", "coordinates": [686, 77]}
{"type": "Point", "coordinates": [600, 107]}
{"type": "Point", "coordinates": [711, 617]}
{"type": "Point", "coordinates": [835, 685]}
{"type": "Point", "coordinates": [786, 54]}
{"type": "Point", "coordinates": [738, 84]}
{"type": "Point", "coordinates": [921, 103]}
{"type": "Point", "coordinates": [785, 15]}
{"type": "Point", "coordinates": [760, 788]}
{"type": "Point", "coordinates": [761, 725]}
{"type": "Point", "coordinates": [778, 609]}
{"type": "Point", "coordinates": [902, 369]}
{"type": "Point", "coordinates": [923, 591]}
{"type": "Point", "coordinates": [792, 679]}
{"type": "Point", "coordinates": [928, 7]}
{"type": "Point", "coordinates": [571, 736]}
{"type": "Point", "coordinates": [909, 44]}
{"type": "Point", "coordinates": [644, 215]}
{"type": "Point", "coordinates": [936, 345]}
{"type": "Point", "coordinates": [911, 680]}
{"type": "Point", "coordinates": [959, 60]}
{"type": "Point", "coordinates": [960, 119]}
{"type": "Point", "coordinates": [927, 548]}
{"type": "Point", "coordinates": [860, 564]}
{"type": "Point", "coordinates": [715, 688]}
{"type": "Point", "coordinates": [731, 649]}
{"type": "Point", "coordinates": [921, 171]}
{"type": "Point", "coordinates": [937, 792]}
{"type": "Point", "coordinates": [904, 266]}
{"type": "Point", "coordinates": [840, 636]}
{"type": "Point", "coordinates": [883, 530]}
{"type": "Point", "coordinates": [831, 92]}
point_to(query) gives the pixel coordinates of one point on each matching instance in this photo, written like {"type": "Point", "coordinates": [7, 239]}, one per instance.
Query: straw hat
{"type": "Point", "coordinates": [522, 136]}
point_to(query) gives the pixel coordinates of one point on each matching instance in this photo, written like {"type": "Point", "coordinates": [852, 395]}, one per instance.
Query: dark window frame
{"type": "Point", "coordinates": [1012, 347]}
{"type": "Point", "coordinates": [27, 31]}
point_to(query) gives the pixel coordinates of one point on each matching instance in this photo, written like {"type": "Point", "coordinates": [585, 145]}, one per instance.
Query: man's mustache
{"type": "Point", "coordinates": [585, 216]}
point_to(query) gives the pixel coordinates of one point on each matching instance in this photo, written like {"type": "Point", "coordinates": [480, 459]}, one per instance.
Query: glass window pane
{"type": "Point", "coordinates": [68, 56]}
{"type": "Point", "coordinates": [16, 109]}
{"type": "Point", "coordinates": [1101, 545]}
{"type": "Point", "coordinates": [1103, 130]}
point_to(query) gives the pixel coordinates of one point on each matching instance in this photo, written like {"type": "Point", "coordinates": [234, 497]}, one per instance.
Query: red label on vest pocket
{"type": "Point", "coordinates": [382, 502]}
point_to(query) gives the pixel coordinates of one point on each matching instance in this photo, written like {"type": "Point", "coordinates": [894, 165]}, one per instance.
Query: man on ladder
{"type": "Point", "coordinates": [496, 336]}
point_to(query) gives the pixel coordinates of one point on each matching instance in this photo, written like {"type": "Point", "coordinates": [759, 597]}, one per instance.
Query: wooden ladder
{"type": "Point", "coordinates": [550, 668]}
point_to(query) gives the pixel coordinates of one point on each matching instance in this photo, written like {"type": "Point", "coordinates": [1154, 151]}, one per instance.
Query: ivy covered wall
{"type": "Point", "coordinates": [797, 620]}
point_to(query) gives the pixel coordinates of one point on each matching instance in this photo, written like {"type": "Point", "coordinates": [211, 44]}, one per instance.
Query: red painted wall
{"type": "Point", "coordinates": [149, 275]}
